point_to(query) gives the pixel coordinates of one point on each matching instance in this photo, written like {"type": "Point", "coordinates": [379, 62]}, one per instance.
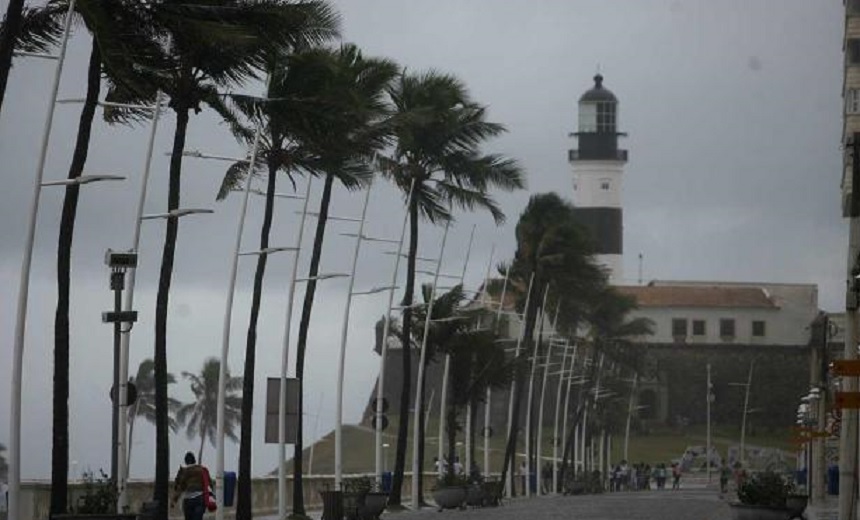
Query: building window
{"type": "Point", "coordinates": [679, 327]}
{"type": "Point", "coordinates": [758, 329]}
{"type": "Point", "coordinates": [727, 328]}
{"type": "Point", "coordinates": [604, 184]}
{"type": "Point", "coordinates": [698, 327]}
{"type": "Point", "coordinates": [853, 50]}
{"type": "Point", "coordinates": [852, 100]}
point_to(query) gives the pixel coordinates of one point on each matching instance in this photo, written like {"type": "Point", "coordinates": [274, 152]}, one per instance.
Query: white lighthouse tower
{"type": "Point", "coordinates": [598, 165]}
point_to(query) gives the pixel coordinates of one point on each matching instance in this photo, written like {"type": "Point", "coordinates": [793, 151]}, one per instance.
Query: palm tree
{"type": "Point", "coordinates": [554, 251]}
{"type": "Point", "coordinates": [477, 362]}
{"type": "Point", "coordinates": [327, 118]}
{"type": "Point", "coordinates": [200, 415]}
{"type": "Point", "coordinates": [144, 406]}
{"type": "Point", "coordinates": [439, 134]}
{"type": "Point", "coordinates": [190, 51]}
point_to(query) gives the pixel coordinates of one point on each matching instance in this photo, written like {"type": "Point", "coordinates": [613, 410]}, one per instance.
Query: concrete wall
{"type": "Point", "coordinates": [35, 496]}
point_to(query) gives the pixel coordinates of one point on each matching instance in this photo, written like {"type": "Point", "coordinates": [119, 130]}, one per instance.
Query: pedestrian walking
{"type": "Point", "coordinates": [193, 486]}
{"type": "Point", "coordinates": [725, 474]}
{"type": "Point", "coordinates": [660, 476]}
{"type": "Point", "coordinates": [676, 475]}
{"type": "Point", "coordinates": [646, 477]}
{"type": "Point", "coordinates": [523, 474]}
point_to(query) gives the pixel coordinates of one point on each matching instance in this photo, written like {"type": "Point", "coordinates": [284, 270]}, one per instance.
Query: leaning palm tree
{"type": "Point", "coordinates": [326, 118]}
{"type": "Point", "coordinates": [144, 406]}
{"type": "Point", "coordinates": [190, 51]}
{"type": "Point", "coordinates": [438, 139]}
{"type": "Point", "coordinates": [200, 415]}
{"type": "Point", "coordinates": [555, 255]}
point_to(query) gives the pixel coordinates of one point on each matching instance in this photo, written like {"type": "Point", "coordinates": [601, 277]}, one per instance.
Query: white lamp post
{"type": "Point", "coordinates": [123, 449]}
{"type": "Point", "coordinates": [416, 500]}
{"type": "Point", "coordinates": [529, 468]}
{"type": "Point", "coordinates": [747, 386]}
{"type": "Point", "coordinates": [225, 335]}
{"type": "Point", "coordinates": [550, 342]}
{"type": "Point", "coordinates": [285, 358]}
{"type": "Point", "coordinates": [24, 280]}
{"type": "Point", "coordinates": [338, 425]}
{"type": "Point", "coordinates": [383, 354]}
{"type": "Point", "coordinates": [510, 482]}
{"type": "Point", "coordinates": [443, 397]}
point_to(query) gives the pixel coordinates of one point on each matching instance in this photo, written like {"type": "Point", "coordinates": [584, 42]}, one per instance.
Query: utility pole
{"type": "Point", "coordinates": [848, 438]}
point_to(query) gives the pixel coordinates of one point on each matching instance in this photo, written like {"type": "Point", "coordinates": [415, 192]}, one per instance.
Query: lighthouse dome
{"type": "Point", "coordinates": [598, 93]}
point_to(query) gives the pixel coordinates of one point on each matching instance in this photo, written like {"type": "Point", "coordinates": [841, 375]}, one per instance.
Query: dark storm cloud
{"type": "Point", "coordinates": [733, 113]}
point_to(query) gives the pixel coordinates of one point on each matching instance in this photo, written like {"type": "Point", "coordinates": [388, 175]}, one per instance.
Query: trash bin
{"type": "Point", "coordinates": [229, 488]}
{"type": "Point", "coordinates": [387, 480]}
{"type": "Point", "coordinates": [833, 480]}
{"type": "Point", "coordinates": [332, 505]}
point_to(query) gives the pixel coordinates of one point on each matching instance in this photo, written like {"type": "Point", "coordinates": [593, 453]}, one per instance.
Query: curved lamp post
{"type": "Point", "coordinates": [24, 280]}
{"type": "Point", "coordinates": [416, 500]}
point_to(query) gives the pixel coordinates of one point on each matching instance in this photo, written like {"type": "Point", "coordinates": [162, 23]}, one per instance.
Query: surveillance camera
{"type": "Point", "coordinates": [121, 260]}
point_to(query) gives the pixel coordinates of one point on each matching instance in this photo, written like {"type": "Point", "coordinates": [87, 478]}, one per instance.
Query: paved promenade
{"type": "Point", "coordinates": [686, 504]}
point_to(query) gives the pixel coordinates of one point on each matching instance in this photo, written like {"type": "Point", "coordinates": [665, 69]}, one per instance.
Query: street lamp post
{"type": "Point", "coordinates": [383, 353]}
{"type": "Point", "coordinates": [443, 396]}
{"type": "Point", "coordinates": [513, 391]}
{"type": "Point", "coordinates": [529, 454]}
{"type": "Point", "coordinates": [285, 359]}
{"type": "Point", "coordinates": [416, 500]}
{"type": "Point", "coordinates": [24, 282]}
{"type": "Point", "coordinates": [338, 425]}
{"type": "Point", "coordinates": [747, 386]}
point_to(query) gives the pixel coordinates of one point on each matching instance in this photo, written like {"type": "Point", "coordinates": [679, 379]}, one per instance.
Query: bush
{"type": "Point", "coordinates": [100, 494]}
{"type": "Point", "coordinates": [767, 488]}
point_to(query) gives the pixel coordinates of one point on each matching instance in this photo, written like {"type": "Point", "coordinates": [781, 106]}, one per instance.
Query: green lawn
{"type": "Point", "coordinates": [661, 445]}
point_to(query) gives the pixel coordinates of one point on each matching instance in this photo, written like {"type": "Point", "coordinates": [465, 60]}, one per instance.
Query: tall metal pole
{"type": "Point", "coordinates": [131, 277]}
{"type": "Point", "coordinates": [537, 338]}
{"type": "Point", "coordinates": [555, 438]}
{"type": "Point", "coordinates": [513, 392]}
{"type": "Point", "coordinates": [285, 359]}
{"type": "Point", "coordinates": [117, 281]}
{"type": "Point", "coordinates": [848, 438]}
{"type": "Point", "coordinates": [708, 448]}
{"type": "Point", "coordinates": [443, 396]}
{"type": "Point", "coordinates": [488, 401]}
{"type": "Point", "coordinates": [567, 404]}
{"type": "Point", "coordinates": [383, 354]}
{"type": "Point", "coordinates": [24, 286]}
{"type": "Point", "coordinates": [344, 331]}
{"type": "Point", "coordinates": [225, 336]}
{"type": "Point", "coordinates": [746, 408]}
{"type": "Point", "coordinates": [416, 500]}
{"type": "Point", "coordinates": [550, 341]}
{"type": "Point", "coordinates": [630, 415]}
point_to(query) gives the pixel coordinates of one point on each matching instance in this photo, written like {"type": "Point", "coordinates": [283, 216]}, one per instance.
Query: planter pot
{"type": "Point", "coordinates": [475, 496]}
{"type": "Point", "coordinates": [373, 506]}
{"type": "Point", "coordinates": [796, 505]}
{"type": "Point", "coordinates": [750, 512]}
{"type": "Point", "coordinates": [449, 497]}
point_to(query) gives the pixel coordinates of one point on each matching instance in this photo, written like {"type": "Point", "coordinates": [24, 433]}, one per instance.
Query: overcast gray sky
{"type": "Point", "coordinates": [733, 110]}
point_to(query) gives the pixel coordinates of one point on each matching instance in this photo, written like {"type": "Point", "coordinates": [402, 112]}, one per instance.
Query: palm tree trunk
{"type": "Point", "coordinates": [200, 449]}
{"type": "Point", "coordinates": [162, 445]}
{"type": "Point", "coordinates": [130, 436]}
{"type": "Point", "coordinates": [12, 26]}
{"type": "Point", "coordinates": [395, 498]}
{"type": "Point", "coordinates": [60, 436]}
{"type": "Point", "coordinates": [243, 495]}
{"type": "Point", "coordinates": [531, 317]}
{"type": "Point", "coordinates": [301, 345]}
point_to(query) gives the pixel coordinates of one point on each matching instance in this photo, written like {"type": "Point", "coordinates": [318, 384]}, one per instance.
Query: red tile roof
{"type": "Point", "coordinates": [699, 296]}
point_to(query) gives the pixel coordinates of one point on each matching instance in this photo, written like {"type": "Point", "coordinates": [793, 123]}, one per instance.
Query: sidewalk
{"type": "Point", "coordinates": [827, 510]}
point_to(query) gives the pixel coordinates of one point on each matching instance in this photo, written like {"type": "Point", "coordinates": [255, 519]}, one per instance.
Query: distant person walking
{"type": "Point", "coordinates": [191, 485]}
{"type": "Point", "coordinates": [660, 476]}
{"type": "Point", "coordinates": [725, 474]}
{"type": "Point", "coordinates": [676, 475]}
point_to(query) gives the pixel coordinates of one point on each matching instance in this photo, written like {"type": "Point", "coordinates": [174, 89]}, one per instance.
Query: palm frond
{"type": "Point", "coordinates": [41, 27]}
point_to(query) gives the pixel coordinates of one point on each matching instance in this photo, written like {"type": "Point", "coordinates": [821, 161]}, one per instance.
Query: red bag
{"type": "Point", "coordinates": [208, 495]}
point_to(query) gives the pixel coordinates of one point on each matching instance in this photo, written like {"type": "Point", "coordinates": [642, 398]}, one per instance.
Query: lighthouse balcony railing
{"type": "Point", "coordinates": [602, 155]}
